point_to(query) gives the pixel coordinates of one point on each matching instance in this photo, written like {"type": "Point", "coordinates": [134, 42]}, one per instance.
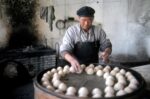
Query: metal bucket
{"type": "Point", "coordinates": [43, 93]}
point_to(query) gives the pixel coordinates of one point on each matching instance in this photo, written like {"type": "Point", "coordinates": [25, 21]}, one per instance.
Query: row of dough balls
{"type": "Point", "coordinates": [118, 81]}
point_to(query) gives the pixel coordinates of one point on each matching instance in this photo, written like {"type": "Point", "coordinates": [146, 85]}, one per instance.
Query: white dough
{"type": "Point", "coordinates": [118, 86]}
{"type": "Point", "coordinates": [72, 70]}
{"type": "Point", "coordinates": [50, 87]}
{"type": "Point", "coordinates": [90, 71]}
{"type": "Point", "coordinates": [53, 70]}
{"type": "Point", "coordinates": [122, 71]}
{"type": "Point", "coordinates": [83, 92]}
{"type": "Point", "coordinates": [44, 79]}
{"type": "Point", "coordinates": [100, 67]}
{"type": "Point", "coordinates": [96, 96]}
{"type": "Point", "coordinates": [134, 81]}
{"type": "Point", "coordinates": [128, 89]}
{"type": "Point", "coordinates": [62, 87]}
{"type": "Point", "coordinates": [83, 66]}
{"type": "Point", "coordinates": [96, 91]}
{"type": "Point", "coordinates": [133, 86]}
{"type": "Point", "coordinates": [61, 73]}
{"type": "Point", "coordinates": [99, 73]}
{"type": "Point", "coordinates": [45, 83]}
{"type": "Point", "coordinates": [109, 82]}
{"type": "Point", "coordinates": [59, 91]}
{"type": "Point", "coordinates": [106, 70]}
{"type": "Point", "coordinates": [49, 73]}
{"type": "Point", "coordinates": [56, 83]}
{"type": "Point", "coordinates": [122, 81]}
{"type": "Point", "coordinates": [128, 73]}
{"type": "Point", "coordinates": [116, 69]}
{"type": "Point", "coordinates": [96, 69]}
{"type": "Point", "coordinates": [71, 91]}
{"type": "Point", "coordinates": [46, 75]}
{"type": "Point", "coordinates": [106, 75]}
{"type": "Point", "coordinates": [56, 75]}
{"type": "Point", "coordinates": [59, 68]}
{"type": "Point", "coordinates": [109, 89]}
{"type": "Point", "coordinates": [120, 93]}
{"type": "Point", "coordinates": [109, 95]}
{"type": "Point", "coordinates": [91, 66]}
{"type": "Point", "coordinates": [113, 72]}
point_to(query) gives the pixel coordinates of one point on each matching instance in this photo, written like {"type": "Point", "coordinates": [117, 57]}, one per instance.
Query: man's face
{"type": "Point", "coordinates": [85, 22]}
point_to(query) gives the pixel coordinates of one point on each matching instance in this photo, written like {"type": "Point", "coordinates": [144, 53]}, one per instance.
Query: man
{"type": "Point", "coordinates": [83, 42]}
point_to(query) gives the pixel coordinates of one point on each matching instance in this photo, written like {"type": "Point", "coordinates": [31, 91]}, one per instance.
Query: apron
{"type": "Point", "coordinates": [87, 52]}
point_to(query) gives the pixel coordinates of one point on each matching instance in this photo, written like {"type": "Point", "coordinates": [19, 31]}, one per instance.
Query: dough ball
{"type": "Point", "coordinates": [106, 70]}
{"type": "Point", "coordinates": [90, 71]}
{"type": "Point", "coordinates": [56, 75]}
{"type": "Point", "coordinates": [49, 73]}
{"type": "Point", "coordinates": [83, 92]}
{"type": "Point", "coordinates": [121, 93]}
{"type": "Point", "coordinates": [128, 73]}
{"type": "Point", "coordinates": [128, 90]}
{"type": "Point", "coordinates": [133, 86]}
{"type": "Point", "coordinates": [72, 70]}
{"type": "Point", "coordinates": [116, 69]}
{"type": "Point", "coordinates": [110, 77]}
{"type": "Point", "coordinates": [66, 67]}
{"type": "Point", "coordinates": [109, 89]}
{"type": "Point", "coordinates": [53, 70]}
{"type": "Point", "coordinates": [99, 73]}
{"type": "Point", "coordinates": [61, 73]}
{"type": "Point", "coordinates": [96, 91]}
{"type": "Point", "coordinates": [109, 82]}
{"type": "Point", "coordinates": [130, 77]}
{"type": "Point", "coordinates": [109, 94]}
{"type": "Point", "coordinates": [106, 75]}
{"type": "Point", "coordinates": [46, 75]}
{"type": "Point", "coordinates": [122, 81]}
{"type": "Point", "coordinates": [83, 66]}
{"type": "Point", "coordinates": [59, 91]}
{"type": "Point", "coordinates": [118, 86]}
{"type": "Point", "coordinates": [45, 83]}
{"type": "Point", "coordinates": [97, 96]}
{"type": "Point", "coordinates": [56, 83]}
{"type": "Point", "coordinates": [71, 91]}
{"type": "Point", "coordinates": [96, 69]}
{"type": "Point", "coordinates": [54, 79]}
{"type": "Point", "coordinates": [50, 87]}
{"type": "Point", "coordinates": [100, 67]}
{"type": "Point", "coordinates": [66, 71]}
{"type": "Point", "coordinates": [123, 72]}
{"type": "Point", "coordinates": [44, 79]}
{"type": "Point", "coordinates": [119, 75]}
{"type": "Point", "coordinates": [134, 81]}
{"type": "Point", "coordinates": [113, 72]}
{"type": "Point", "coordinates": [62, 87]}
{"type": "Point", "coordinates": [91, 66]}
{"type": "Point", "coordinates": [59, 68]}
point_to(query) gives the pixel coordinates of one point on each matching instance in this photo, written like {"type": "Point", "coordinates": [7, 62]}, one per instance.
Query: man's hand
{"type": "Point", "coordinates": [73, 61]}
{"type": "Point", "coordinates": [75, 64]}
{"type": "Point", "coordinates": [105, 55]}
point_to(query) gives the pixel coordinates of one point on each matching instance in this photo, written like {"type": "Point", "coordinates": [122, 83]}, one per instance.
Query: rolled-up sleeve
{"type": "Point", "coordinates": [67, 44]}
{"type": "Point", "coordinates": [104, 41]}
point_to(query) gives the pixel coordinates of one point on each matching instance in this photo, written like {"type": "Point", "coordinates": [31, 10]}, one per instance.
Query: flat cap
{"type": "Point", "coordinates": [86, 11]}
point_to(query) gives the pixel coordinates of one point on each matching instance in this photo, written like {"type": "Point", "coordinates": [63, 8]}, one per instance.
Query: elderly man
{"type": "Point", "coordinates": [85, 43]}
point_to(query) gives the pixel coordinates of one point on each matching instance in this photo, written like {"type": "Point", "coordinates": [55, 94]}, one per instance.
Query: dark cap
{"type": "Point", "coordinates": [86, 11]}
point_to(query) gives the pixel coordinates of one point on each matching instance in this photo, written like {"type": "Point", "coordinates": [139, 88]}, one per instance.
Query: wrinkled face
{"type": "Point", "coordinates": [85, 22]}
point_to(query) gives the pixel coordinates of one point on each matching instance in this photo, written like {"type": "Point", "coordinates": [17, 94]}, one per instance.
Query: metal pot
{"type": "Point", "coordinates": [43, 93]}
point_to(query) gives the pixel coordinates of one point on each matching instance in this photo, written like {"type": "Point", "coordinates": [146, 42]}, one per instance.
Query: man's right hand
{"type": "Point", "coordinates": [75, 64]}
{"type": "Point", "coordinates": [73, 61]}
